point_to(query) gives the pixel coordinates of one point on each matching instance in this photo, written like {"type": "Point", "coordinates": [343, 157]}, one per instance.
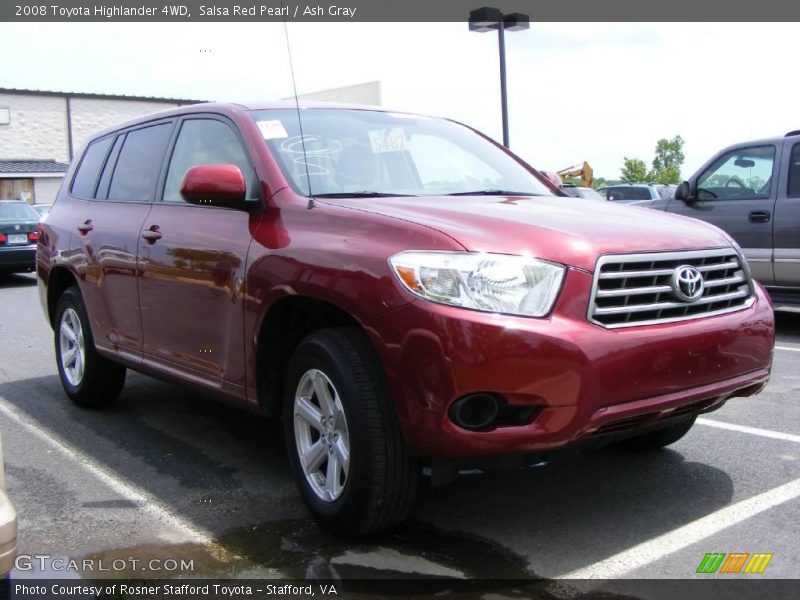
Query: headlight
{"type": "Point", "coordinates": [490, 282]}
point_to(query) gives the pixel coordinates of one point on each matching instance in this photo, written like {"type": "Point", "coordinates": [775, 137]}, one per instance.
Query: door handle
{"type": "Point", "coordinates": [85, 227]}
{"type": "Point", "coordinates": [152, 235]}
{"type": "Point", "coordinates": [759, 216]}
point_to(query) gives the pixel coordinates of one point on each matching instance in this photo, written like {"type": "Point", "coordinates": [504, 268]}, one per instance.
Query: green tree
{"type": "Point", "coordinates": [668, 160]}
{"type": "Point", "coordinates": [634, 170]}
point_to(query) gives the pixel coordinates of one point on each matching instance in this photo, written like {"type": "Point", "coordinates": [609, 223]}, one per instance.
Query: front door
{"type": "Point", "coordinates": [193, 262]}
{"type": "Point", "coordinates": [736, 192]}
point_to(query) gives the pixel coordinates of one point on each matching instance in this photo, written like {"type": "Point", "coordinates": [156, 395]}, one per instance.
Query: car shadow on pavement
{"type": "Point", "coordinates": [226, 471]}
{"type": "Point", "coordinates": [787, 326]}
{"type": "Point", "coordinates": [12, 280]}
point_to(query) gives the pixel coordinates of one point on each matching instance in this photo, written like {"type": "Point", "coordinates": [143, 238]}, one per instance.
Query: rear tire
{"type": "Point", "coordinates": [338, 413]}
{"type": "Point", "coordinates": [90, 380]}
{"type": "Point", "coordinates": [655, 440]}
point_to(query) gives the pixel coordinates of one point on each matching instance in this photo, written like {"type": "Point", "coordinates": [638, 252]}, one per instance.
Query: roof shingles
{"type": "Point", "coordinates": [23, 166]}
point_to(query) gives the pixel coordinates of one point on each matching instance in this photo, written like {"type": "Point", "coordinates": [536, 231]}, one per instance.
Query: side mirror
{"type": "Point", "coordinates": [684, 192]}
{"type": "Point", "coordinates": [215, 185]}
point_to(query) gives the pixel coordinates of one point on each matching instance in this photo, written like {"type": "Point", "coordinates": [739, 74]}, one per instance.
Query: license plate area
{"type": "Point", "coordinates": [17, 238]}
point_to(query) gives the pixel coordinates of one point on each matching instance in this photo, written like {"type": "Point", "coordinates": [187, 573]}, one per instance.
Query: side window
{"type": "Point", "coordinates": [743, 174]}
{"type": "Point", "coordinates": [203, 142]}
{"type": "Point", "coordinates": [105, 178]}
{"type": "Point", "coordinates": [139, 163]}
{"type": "Point", "coordinates": [89, 169]}
{"type": "Point", "coordinates": [794, 172]}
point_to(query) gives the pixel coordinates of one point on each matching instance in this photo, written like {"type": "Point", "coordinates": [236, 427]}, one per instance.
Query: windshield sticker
{"type": "Point", "coordinates": [272, 129]}
{"type": "Point", "coordinates": [388, 140]}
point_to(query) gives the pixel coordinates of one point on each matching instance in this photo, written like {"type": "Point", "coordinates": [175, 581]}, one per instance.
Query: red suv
{"type": "Point", "coordinates": [403, 291]}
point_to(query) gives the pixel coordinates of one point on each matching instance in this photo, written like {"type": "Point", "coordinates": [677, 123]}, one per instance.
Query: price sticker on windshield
{"type": "Point", "coordinates": [388, 140]}
{"type": "Point", "coordinates": [271, 130]}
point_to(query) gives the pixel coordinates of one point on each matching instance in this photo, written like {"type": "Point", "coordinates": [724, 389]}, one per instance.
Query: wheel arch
{"type": "Point", "coordinates": [59, 280]}
{"type": "Point", "coordinates": [286, 323]}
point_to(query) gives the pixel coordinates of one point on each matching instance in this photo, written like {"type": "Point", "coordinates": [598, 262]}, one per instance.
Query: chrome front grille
{"type": "Point", "coordinates": [639, 289]}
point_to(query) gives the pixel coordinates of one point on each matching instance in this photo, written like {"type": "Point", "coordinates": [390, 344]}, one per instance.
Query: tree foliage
{"type": "Point", "coordinates": [634, 170]}
{"type": "Point", "coordinates": [668, 160]}
{"type": "Point", "coordinates": [666, 166]}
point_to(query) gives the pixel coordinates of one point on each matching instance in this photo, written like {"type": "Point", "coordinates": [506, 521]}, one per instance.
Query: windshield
{"type": "Point", "coordinates": [372, 153]}
{"type": "Point", "coordinates": [17, 211]}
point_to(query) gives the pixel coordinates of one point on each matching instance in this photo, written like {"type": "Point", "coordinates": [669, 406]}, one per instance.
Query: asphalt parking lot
{"type": "Point", "coordinates": [164, 475]}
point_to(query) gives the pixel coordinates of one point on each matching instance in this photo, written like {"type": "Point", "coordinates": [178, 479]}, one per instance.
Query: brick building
{"type": "Point", "coordinates": [41, 131]}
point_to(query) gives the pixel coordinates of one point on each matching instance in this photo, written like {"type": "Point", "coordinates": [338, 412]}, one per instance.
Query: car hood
{"type": "Point", "coordinates": [571, 231]}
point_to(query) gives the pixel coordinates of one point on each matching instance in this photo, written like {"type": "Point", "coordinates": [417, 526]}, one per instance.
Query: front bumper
{"type": "Point", "coordinates": [8, 534]}
{"type": "Point", "coordinates": [22, 258]}
{"type": "Point", "coordinates": [582, 379]}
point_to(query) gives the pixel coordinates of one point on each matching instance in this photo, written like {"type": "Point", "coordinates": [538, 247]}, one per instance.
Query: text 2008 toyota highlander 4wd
{"type": "Point", "coordinates": [403, 291]}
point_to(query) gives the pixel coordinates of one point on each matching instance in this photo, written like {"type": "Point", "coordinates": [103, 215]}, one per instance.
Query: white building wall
{"type": "Point", "coordinates": [45, 189]}
{"type": "Point", "coordinates": [90, 115]}
{"type": "Point", "coordinates": [38, 128]}
{"type": "Point", "coordinates": [362, 93]}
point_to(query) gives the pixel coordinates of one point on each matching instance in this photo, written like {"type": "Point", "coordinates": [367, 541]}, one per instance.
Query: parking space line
{"type": "Point", "coordinates": [657, 548]}
{"type": "Point", "coordinates": [789, 348]}
{"type": "Point", "coordinates": [776, 435]}
{"type": "Point", "coordinates": [124, 488]}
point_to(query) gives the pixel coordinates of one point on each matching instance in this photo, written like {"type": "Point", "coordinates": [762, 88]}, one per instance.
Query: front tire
{"type": "Point", "coordinates": [343, 437]}
{"type": "Point", "coordinates": [90, 380]}
{"type": "Point", "coordinates": [655, 440]}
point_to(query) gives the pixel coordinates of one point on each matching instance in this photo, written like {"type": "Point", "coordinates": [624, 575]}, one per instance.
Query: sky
{"type": "Point", "coordinates": [577, 91]}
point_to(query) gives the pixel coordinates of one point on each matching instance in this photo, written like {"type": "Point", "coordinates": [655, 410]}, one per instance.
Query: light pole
{"type": "Point", "coordinates": [486, 19]}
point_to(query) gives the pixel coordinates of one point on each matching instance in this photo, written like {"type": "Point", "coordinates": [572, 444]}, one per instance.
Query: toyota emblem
{"type": "Point", "coordinates": [687, 283]}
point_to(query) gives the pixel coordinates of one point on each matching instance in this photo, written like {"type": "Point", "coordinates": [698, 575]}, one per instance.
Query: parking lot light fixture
{"type": "Point", "coordinates": [487, 19]}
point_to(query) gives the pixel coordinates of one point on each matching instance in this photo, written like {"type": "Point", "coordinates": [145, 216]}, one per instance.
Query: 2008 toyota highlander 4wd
{"type": "Point", "coordinates": [403, 291]}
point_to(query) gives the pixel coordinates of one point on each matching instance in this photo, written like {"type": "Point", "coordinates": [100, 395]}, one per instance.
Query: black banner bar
{"type": "Point", "coordinates": [152, 11]}
{"type": "Point", "coordinates": [703, 588]}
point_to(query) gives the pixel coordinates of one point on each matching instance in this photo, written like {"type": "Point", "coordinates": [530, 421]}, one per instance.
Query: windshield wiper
{"type": "Point", "coordinates": [361, 195]}
{"type": "Point", "coordinates": [491, 193]}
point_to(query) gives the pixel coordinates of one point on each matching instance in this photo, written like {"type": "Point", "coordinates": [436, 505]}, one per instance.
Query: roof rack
{"type": "Point", "coordinates": [792, 133]}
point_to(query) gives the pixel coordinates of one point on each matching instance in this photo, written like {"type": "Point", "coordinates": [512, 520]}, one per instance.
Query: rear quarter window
{"type": "Point", "coordinates": [83, 185]}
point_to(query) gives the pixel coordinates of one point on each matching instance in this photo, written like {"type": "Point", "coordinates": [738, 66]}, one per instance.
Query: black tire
{"type": "Point", "coordinates": [102, 380]}
{"type": "Point", "coordinates": [655, 440]}
{"type": "Point", "coordinates": [382, 480]}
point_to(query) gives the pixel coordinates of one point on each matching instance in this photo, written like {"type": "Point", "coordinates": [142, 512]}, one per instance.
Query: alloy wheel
{"type": "Point", "coordinates": [321, 436]}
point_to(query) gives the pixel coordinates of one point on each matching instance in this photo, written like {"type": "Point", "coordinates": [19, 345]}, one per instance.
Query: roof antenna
{"type": "Point", "coordinates": [311, 203]}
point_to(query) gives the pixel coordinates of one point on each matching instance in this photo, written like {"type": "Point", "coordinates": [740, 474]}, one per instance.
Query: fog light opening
{"type": "Point", "coordinates": [475, 412]}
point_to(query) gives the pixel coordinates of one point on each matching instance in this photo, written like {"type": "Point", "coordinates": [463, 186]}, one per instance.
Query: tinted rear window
{"type": "Point", "coordinates": [86, 178]}
{"type": "Point", "coordinates": [139, 163]}
{"type": "Point", "coordinates": [628, 193]}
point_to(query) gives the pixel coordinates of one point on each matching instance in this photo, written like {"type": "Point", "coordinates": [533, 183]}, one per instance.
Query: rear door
{"type": "Point", "coordinates": [193, 262]}
{"type": "Point", "coordinates": [736, 192]}
{"type": "Point", "coordinates": [787, 218]}
{"type": "Point", "coordinates": [109, 233]}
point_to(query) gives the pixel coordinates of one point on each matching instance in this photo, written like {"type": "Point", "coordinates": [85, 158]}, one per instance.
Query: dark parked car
{"type": "Point", "coordinates": [752, 191]}
{"type": "Point", "coordinates": [642, 194]}
{"type": "Point", "coordinates": [18, 235]}
{"type": "Point", "coordinates": [400, 289]}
